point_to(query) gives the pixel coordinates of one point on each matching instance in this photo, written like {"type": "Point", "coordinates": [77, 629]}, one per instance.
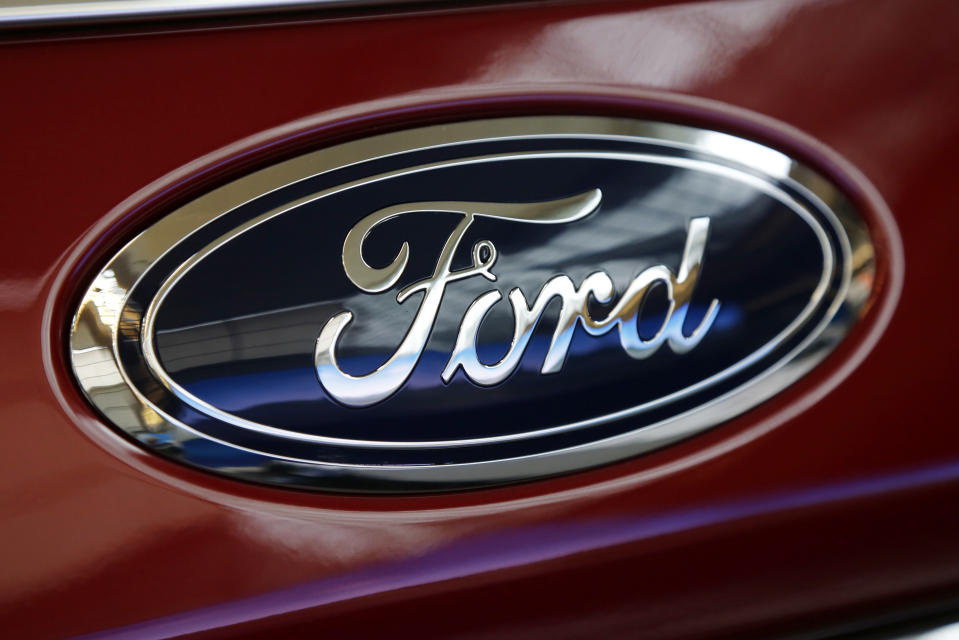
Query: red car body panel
{"type": "Point", "coordinates": [833, 503]}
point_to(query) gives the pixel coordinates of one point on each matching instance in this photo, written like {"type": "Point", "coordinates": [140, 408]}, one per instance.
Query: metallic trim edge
{"type": "Point", "coordinates": [45, 14]}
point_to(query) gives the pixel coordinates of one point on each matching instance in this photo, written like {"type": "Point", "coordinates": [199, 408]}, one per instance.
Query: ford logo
{"type": "Point", "coordinates": [472, 304]}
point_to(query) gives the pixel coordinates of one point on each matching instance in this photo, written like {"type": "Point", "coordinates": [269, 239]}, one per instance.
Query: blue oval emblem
{"type": "Point", "coordinates": [472, 304]}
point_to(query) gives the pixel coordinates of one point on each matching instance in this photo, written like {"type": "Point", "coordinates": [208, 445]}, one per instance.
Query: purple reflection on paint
{"type": "Point", "coordinates": [524, 546]}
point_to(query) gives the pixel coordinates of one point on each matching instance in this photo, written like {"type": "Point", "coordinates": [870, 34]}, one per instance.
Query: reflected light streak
{"type": "Point", "coordinates": [672, 47]}
{"type": "Point", "coordinates": [948, 632]}
{"type": "Point", "coordinates": [751, 154]}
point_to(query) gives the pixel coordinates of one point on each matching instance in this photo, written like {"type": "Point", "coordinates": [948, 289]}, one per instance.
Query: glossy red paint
{"type": "Point", "coordinates": [833, 502]}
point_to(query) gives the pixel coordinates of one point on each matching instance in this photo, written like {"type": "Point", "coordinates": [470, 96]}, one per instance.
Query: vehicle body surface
{"type": "Point", "coordinates": [828, 507]}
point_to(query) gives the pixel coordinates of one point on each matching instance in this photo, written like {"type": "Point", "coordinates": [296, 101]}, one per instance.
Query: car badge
{"type": "Point", "coordinates": [472, 304]}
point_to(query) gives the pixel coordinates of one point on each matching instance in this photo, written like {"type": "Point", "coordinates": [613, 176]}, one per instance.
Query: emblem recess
{"type": "Point", "coordinates": [472, 304]}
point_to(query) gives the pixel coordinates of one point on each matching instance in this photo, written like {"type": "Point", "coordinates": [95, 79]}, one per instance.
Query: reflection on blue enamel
{"type": "Point", "coordinates": [275, 389]}
{"type": "Point", "coordinates": [730, 317]}
{"type": "Point", "coordinates": [208, 454]}
{"type": "Point", "coordinates": [204, 452]}
{"type": "Point", "coordinates": [246, 390]}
